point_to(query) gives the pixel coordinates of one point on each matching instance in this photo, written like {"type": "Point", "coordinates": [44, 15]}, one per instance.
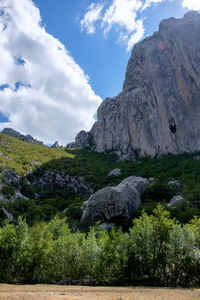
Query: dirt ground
{"type": "Point", "coordinates": [54, 292]}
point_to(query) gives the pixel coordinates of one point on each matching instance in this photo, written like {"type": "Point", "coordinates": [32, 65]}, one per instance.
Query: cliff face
{"type": "Point", "coordinates": [158, 110]}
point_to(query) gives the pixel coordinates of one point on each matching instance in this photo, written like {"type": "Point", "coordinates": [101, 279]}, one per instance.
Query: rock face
{"type": "Point", "coordinates": [10, 179]}
{"type": "Point", "coordinates": [158, 110]}
{"type": "Point", "coordinates": [64, 181]}
{"type": "Point", "coordinates": [117, 202]}
{"type": "Point", "coordinates": [83, 140]}
{"type": "Point", "coordinates": [27, 138]}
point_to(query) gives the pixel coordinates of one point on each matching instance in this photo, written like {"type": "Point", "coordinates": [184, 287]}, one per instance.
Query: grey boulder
{"type": "Point", "coordinates": [175, 199]}
{"type": "Point", "coordinates": [115, 203]}
{"type": "Point", "coordinates": [115, 172]}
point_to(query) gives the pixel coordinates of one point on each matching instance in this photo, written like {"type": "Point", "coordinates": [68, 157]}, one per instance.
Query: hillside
{"type": "Point", "coordinates": [45, 194]}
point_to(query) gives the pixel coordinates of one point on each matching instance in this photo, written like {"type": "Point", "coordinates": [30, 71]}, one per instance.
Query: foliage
{"type": "Point", "coordinates": [158, 250]}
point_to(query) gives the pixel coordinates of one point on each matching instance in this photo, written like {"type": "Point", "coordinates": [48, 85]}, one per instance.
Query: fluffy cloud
{"type": "Point", "coordinates": [93, 14]}
{"type": "Point", "coordinates": [42, 90]}
{"type": "Point", "coordinates": [124, 16]}
{"type": "Point", "coordinates": [192, 4]}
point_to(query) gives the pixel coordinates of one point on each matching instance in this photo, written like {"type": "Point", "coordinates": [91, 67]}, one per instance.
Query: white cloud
{"type": "Point", "coordinates": [93, 14]}
{"type": "Point", "coordinates": [125, 16]}
{"type": "Point", "coordinates": [122, 14]}
{"type": "Point", "coordinates": [55, 100]}
{"type": "Point", "coordinates": [191, 4]}
{"type": "Point", "coordinates": [148, 3]}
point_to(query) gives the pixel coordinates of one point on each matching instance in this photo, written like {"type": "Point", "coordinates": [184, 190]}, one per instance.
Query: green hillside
{"type": "Point", "coordinates": [94, 167]}
{"type": "Point", "coordinates": [22, 154]}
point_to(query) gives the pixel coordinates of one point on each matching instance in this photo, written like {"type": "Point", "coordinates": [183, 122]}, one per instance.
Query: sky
{"type": "Point", "coordinates": [60, 59]}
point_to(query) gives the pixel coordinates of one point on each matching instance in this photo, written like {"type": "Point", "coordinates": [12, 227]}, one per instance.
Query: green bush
{"type": "Point", "coordinates": [158, 250]}
{"type": "Point", "coordinates": [8, 190]}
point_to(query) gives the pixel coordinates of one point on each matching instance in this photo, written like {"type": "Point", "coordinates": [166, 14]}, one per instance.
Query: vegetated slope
{"type": "Point", "coordinates": [20, 156]}
{"type": "Point", "coordinates": [44, 202]}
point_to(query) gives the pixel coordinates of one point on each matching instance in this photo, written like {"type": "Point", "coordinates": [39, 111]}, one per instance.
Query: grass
{"type": "Point", "coordinates": [22, 154]}
{"type": "Point", "coordinates": [53, 292]}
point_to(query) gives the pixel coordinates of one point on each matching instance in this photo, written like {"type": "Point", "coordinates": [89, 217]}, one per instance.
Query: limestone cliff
{"type": "Point", "coordinates": [158, 110]}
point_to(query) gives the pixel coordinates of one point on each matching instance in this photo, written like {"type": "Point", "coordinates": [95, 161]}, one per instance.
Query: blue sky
{"type": "Point", "coordinates": [60, 60]}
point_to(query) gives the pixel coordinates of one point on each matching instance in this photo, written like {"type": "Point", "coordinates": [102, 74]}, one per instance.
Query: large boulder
{"type": "Point", "coordinates": [115, 203]}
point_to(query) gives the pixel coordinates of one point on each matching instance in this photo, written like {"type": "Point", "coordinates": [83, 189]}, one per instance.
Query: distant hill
{"type": "Point", "coordinates": [27, 138]}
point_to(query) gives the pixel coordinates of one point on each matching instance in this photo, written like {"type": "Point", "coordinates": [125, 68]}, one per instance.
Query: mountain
{"type": "Point", "coordinates": [156, 113]}
{"type": "Point", "coordinates": [27, 138]}
{"type": "Point", "coordinates": [158, 110]}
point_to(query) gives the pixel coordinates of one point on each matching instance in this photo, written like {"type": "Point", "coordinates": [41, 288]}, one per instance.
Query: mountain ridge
{"type": "Point", "coordinates": [26, 138]}
{"type": "Point", "coordinates": [158, 110]}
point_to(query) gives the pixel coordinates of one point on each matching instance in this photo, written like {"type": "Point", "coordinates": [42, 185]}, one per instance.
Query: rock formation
{"type": "Point", "coordinates": [158, 110]}
{"type": "Point", "coordinates": [83, 140]}
{"type": "Point", "coordinates": [117, 202]}
{"type": "Point", "coordinates": [9, 187]}
{"type": "Point", "coordinates": [114, 173]}
{"type": "Point", "coordinates": [176, 199]}
{"type": "Point", "coordinates": [63, 181]}
{"type": "Point", "coordinates": [55, 145]}
{"type": "Point", "coordinates": [26, 138]}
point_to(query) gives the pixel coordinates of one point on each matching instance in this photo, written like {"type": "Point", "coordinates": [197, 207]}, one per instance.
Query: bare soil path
{"type": "Point", "coordinates": [55, 292]}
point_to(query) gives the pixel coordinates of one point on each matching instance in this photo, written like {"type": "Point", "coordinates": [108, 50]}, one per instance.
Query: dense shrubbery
{"type": "Point", "coordinates": [156, 250]}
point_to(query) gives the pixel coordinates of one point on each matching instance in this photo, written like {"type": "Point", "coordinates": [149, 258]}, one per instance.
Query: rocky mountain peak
{"type": "Point", "coordinates": [158, 110]}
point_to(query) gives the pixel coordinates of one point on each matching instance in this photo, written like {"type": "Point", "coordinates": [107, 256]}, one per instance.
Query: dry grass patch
{"type": "Point", "coordinates": [53, 292]}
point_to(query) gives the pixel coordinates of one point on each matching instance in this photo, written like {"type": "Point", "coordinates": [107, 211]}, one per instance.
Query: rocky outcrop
{"type": "Point", "coordinates": [55, 145]}
{"type": "Point", "coordinates": [7, 214]}
{"type": "Point", "coordinates": [158, 110]}
{"type": "Point", "coordinates": [83, 140]}
{"type": "Point", "coordinates": [27, 138]}
{"type": "Point", "coordinates": [10, 186]}
{"type": "Point", "coordinates": [175, 199]}
{"type": "Point", "coordinates": [114, 173]}
{"type": "Point", "coordinates": [117, 202]}
{"type": "Point", "coordinates": [63, 181]}
{"type": "Point", "coordinates": [10, 177]}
